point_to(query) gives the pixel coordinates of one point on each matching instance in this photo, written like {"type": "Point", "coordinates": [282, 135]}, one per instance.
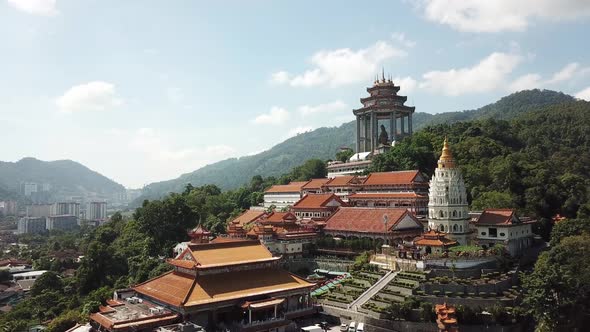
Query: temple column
{"type": "Point", "coordinates": [249, 315]}
{"type": "Point", "coordinates": [410, 123]}
{"type": "Point", "coordinates": [358, 134]}
{"type": "Point", "coordinates": [402, 124]}
{"type": "Point", "coordinates": [366, 134]}
{"type": "Point", "coordinates": [275, 311]}
{"type": "Point", "coordinates": [391, 119]}
{"type": "Point", "coordinates": [371, 131]}
{"type": "Point", "coordinates": [394, 130]}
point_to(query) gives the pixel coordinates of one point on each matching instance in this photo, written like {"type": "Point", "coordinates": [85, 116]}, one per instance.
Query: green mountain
{"type": "Point", "coordinates": [64, 177]}
{"type": "Point", "coordinates": [323, 143]}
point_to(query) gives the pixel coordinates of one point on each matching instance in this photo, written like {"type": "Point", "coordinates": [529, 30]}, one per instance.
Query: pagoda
{"type": "Point", "coordinates": [382, 108]}
{"type": "Point", "coordinates": [448, 210]}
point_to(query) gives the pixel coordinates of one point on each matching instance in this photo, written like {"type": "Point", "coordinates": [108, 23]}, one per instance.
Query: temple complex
{"type": "Point", "coordinates": [502, 226]}
{"type": "Point", "coordinates": [383, 107]}
{"type": "Point", "coordinates": [448, 210]}
{"type": "Point", "coordinates": [235, 285]}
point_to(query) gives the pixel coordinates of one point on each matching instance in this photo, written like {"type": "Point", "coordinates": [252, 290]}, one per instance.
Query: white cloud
{"type": "Point", "coordinates": [533, 80]}
{"type": "Point", "coordinates": [334, 106]}
{"type": "Point", "coordinates": [277, 115]}
{"type": "Point", "coordinates": [584, 94]}
{"type": "Point", "coordinates": [526, 82]}
{"type": "Point", "coordinates": [35, 7]}
{"type": "Point", "coordinates": [400, 37]}
{"type": "Point", "coordinates": [91, 96]}
{"type": "Point", "coordinates": [501, 15]}
{"type": "Point", "coordinates": [489, 74]}
{"type": "Point", "coordinates": [341, 66]}
{"type": "Point", "coordinates": [407, 84]}
{"type": "Point", "coordinates": [566, 73]}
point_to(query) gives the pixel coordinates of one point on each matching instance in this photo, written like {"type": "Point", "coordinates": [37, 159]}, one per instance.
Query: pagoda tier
{"type": "Point", "coordinates": [383, 105]}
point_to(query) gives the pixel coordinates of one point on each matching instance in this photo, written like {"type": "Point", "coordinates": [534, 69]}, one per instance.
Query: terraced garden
{"type": "Point", "coordinates": [351, 288]}
{"type": "Point", "coordinates": [401, 287]}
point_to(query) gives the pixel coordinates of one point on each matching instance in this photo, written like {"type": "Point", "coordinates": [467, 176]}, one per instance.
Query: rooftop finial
{"type": "Point", "coordinates": [383, 74]}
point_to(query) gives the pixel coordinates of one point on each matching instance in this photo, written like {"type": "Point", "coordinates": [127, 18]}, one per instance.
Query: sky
{"type": "Point", "coordinates": [144, 90]}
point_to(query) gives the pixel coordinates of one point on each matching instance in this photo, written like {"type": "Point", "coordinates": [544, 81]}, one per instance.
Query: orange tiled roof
{"type": "Point", "coordinates": [228, 253]}
{"type": "Point", "coordinates": [434, 241]}
{"type": "Point", "coordinates": [182, 263]}
{"type": "Point", "coordinates": [344, 180]}
{"type": "Point", "coordinates": [171, 288]}
{"type": "Point", "coordinates": [495, 217]}
{"type": "Point", "coordinates": [315, 201]}
{"type": "Point", "coordinates": [287, 188]}
{"type": "Point", "coordinates": [315, 183]}
{"type": "Point", "coordinates": [278, 217]}
{"type": "Point", "coordinates": [215, 288]}
{"type": "Point", "coordinates": [248, 216]}
{"type": "Point", "coordinates": [385, 195]}
{"type": "Point", "coordinates": [366, 220]}
{"type": "Point", "coordinates": [391, 178]}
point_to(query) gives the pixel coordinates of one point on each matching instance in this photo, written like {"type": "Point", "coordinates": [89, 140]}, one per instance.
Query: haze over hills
{"type": "Point", "coordinates": [64, 177]}
{"type": "Point", "coordinates": [323, 143]}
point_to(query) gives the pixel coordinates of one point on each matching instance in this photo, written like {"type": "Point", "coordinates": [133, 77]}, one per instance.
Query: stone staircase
{"type": "Point", "coordinates": [374, 289]}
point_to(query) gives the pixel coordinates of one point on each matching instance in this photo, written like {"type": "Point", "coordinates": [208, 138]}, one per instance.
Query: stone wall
{"type": "Point", "coordinates": [470, 302]}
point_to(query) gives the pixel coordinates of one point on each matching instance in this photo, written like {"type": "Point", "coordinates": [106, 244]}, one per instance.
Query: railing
{"type": "Point", "coordinates": [262, 322]}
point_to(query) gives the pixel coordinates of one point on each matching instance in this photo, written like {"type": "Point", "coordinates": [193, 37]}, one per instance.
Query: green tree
{"type": "Point", "coordinates": [492, 200]}
{"type": "Point", "coordinates": [48, 281]}
{"type": "Point", "coordinates": [558, 290]}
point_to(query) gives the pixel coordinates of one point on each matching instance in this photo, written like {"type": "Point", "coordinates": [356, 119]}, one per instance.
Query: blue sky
{"type": "Point", "coordinates": [143, 91]}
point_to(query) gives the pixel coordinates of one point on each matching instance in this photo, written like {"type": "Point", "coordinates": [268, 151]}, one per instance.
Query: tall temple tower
{"type": "Point", "coordinates": [447, 200]}
{"type": "Point", "coordinates": [383, 108]}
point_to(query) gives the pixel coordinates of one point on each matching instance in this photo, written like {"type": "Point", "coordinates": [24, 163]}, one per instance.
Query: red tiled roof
{"type": "Point", "coordinates": [434, 238]}
{"type": "Point", "coordinates": [316, 201]}
{"type": "Point", "coordinates": [391, 178]}
{"type": "Point", "coordinates": [287, 188]}
{"type": "Point", "coordinates": [182, 263]}
{"type": "Point", "coordinates": [340, 181]}
{"type": "Point", "coordinates": [248, 216]}
{"type": "Point", "coordinates": [278, 217]}
{"type": "Point", "coordinates": [385, 195]}
{"type": "Point", "coordinates": [495, 217]}
{"type": "Point", "coordinates": [315, 183]}
{"type": "Point", "coordinates": [365, 220]}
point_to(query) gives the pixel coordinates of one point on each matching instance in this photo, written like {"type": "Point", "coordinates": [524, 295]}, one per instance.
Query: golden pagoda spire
{"type": "Point", "coordinates": [446, 158]}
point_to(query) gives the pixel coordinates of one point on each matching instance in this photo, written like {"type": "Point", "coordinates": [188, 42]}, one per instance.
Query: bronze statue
{"type": "Point", "coordinates": [383, 137]}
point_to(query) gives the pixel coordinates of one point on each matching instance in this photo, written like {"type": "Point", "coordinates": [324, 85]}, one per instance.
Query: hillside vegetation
{"type": "Point", "coordinates": [323, 143]}
{"type": "Point", "coordinates": [66, 177]}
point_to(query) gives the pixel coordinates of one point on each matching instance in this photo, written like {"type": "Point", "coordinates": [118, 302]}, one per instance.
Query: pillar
{"type": "Point", "coordinates": [366, 134]}
{"type": "Point", "coordinates": [410, 123]}
{"type": "Point", "coordinates": [394, 126]}
{"type": "Point", "coordinates": [391, 126]}
{"type": "Point", "coordinates": [275, 311]}
{"type": "Point", "coordinates": [371, 131]}
{"type": "Point", "coordinates": [402, 125]}
{"type": "Point", "coordinates": [358, 134]}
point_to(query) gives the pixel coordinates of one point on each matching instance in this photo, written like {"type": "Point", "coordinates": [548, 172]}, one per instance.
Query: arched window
{"type": "Point", "coordinates": [440, 214]}
{"type": "Point", "coordinates": [441, 228]}
{"type": "Point", "coordinates": [455, 228]}
{"type": "Point", "coordinates": [460, 228]}
{"type": "Point", "coordinates": [454, 213]}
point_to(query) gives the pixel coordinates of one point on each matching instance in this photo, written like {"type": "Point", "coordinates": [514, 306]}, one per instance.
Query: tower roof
{"type": "Point", "coordinates": [446, 158]}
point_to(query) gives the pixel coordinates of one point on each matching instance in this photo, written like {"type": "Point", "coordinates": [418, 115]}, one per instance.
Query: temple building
{"type": "Point", "coordinates": [383, 107]}
{"type": "Point", "coordinates": [342, 186]}
{"type": "Point", "coordinates": [282, 234]}
{"type": "Point", "coordinates": [434, 241]}
{"type": "Point", "coordinates": [317, 206]}
{"type": "Point", "coordinates": [448, 210]}
{"type": "Point", "coordinates": [228, 285]}
{"type": "Point", "coordinates": [314, 186]}
{"type": "Point", "coordinates": [281, 196]}
{"type": "Point", "coordinates": [389, 225]}
{"type": "Point", "coordinates": [502, 226]}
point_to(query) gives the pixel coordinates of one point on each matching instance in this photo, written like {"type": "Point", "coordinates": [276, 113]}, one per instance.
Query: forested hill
{"type": "Point", "coordinates": [323, 143]}
{"type": "Point", "coordinates": [66, 178]}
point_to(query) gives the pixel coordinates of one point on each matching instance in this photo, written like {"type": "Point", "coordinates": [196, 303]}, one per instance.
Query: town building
{"type": "Point", "coordinates": [63, 223]}
{"type": "Point", "coordinates": [448, 210]}
{"type": "Point", "coordinates": [96, 211]}
{"type": "Point", "coordinates": [282, 196]}
{"type": "Point", "coordinates": [317, 206]}
{"type": "Point", "coordinates": [9, 208]}
{"type": "Point", "coordinates": [390, 225]}
{"type": "Point", "coordinates": [502, 226]}
{"type": "Point", "coordinates": [356, 165]}
{"type": "Point", "coordinates": [31, 225]}
{"type": "Point", "coordinates": [66, 208]}
{"type": "Point", "coordinates": [39, 210]}
{"type": "Point", "coordinates": [228, 285]}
